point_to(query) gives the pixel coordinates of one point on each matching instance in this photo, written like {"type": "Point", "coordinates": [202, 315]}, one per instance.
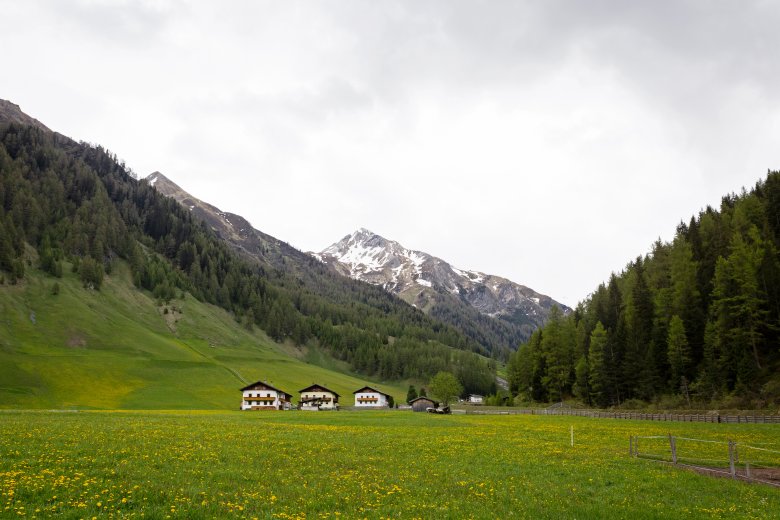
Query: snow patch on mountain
{"type": "Point", "coordinates": [366, 256]}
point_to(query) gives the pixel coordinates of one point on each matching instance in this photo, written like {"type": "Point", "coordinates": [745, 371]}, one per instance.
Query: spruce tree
{"type": "Point", "coordinates": [411, 394]}
{"type": "Point", "coordinates": [599, 372]}
{"type": "Point", "coordinates": [678, 351]}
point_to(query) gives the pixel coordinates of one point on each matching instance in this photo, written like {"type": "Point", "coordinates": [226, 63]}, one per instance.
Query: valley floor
{"type": "Point", "coordinates": [370, 464]}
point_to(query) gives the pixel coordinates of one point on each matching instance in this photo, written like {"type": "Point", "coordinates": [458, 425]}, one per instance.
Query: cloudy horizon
{"type": "Point", "coordinates": [548, 142]}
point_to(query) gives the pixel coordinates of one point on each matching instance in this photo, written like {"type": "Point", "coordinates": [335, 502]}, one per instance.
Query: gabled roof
{"type": "Point", "coordinates": [422, 397]}
{"type": "Point", "coordinates": [369, 389]}
{"type": "Point", "coordinates": [264, 386]}
{"type": "Point", "coordinates": [317, 388]}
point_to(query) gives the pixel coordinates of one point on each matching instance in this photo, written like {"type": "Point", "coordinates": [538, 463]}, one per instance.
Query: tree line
{"type": "Point", "coordinates": [696, 319]}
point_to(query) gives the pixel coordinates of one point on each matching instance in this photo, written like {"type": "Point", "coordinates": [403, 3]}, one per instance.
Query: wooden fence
{"type": "Point", "coordinates": [710, 418]}
{"type": "Point", "coordinates": [712, 457]}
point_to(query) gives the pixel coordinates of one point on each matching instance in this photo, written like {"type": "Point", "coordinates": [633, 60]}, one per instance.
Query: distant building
{"type": "Point", "coordinates": [317, 397]}
{"type": "Point", "coordinates": [476, 399]}
{"type": "Point", "coordinates": [421, 404]}
{"type": "Point", "coordinates": [262, 396]}
{"type": "Point", "coordinates": [368, 397]}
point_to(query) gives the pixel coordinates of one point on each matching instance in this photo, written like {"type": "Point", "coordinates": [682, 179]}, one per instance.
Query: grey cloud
{"type": "Point", "coordinates": [129, 22]}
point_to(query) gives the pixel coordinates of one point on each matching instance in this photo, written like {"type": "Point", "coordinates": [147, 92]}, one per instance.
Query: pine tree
{"type": "Point", "coordinates": [582, 374]}
{"type": "Point", "coordinates": [678, 351]}
{"type": "Point", "coordinates": [411, 394]}
{"type": "Point", "coordinates": [599, 375]}
{"type": "Point", "coordinates": [686, 299]}
{"type": "Point", "coordinates": [558, 347]}
{"type": "Point", "coordinates": [740, 306]}
{"type": "Point", "coordinates": [638, 375]}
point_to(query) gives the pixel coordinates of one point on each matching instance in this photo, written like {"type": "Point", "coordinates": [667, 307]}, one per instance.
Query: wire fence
{"type": "Point", "coordinates": [709, 418]}
{"type": "Point", "coordinates": [723, 458]}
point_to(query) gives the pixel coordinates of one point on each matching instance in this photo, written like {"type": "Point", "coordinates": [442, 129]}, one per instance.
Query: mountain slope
{"type": "Point", "coordinates": [69, 205]}
{"type": "Point", "coordinates": [430, 283]}
{"type": "Point", "coordinates": [235, 229]}
{"type": "Point", "coordinates": [11, 113]}
{"type": "Point", "coordinates": [485, 334]}
{"type": "Point", "coordinates": [117, 348]}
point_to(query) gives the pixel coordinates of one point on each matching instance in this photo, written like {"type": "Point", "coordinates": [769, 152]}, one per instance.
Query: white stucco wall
{"type": "Point", "coordinates": [381, 399]}
{"type": "Point", "coordinates": [248, 395]}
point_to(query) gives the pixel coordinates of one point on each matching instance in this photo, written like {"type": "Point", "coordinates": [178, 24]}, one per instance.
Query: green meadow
{"type": "Point", "coordinates": [118, 349]}
{"type": "Point", "coordinates": [369, 464]}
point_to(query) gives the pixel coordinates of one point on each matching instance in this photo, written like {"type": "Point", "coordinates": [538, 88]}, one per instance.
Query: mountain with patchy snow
{"type": "Point", "coordinates": [492, 311]}
{"type": "Point", "coordinates": [427, 281]}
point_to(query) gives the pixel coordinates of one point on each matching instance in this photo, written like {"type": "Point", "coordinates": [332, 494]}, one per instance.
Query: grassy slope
{"type": "Point", "coordinates": [114, 348]}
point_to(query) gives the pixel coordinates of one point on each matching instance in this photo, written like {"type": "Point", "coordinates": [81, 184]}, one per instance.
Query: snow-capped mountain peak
{"type": "Point", "coordinates": [424, 280]}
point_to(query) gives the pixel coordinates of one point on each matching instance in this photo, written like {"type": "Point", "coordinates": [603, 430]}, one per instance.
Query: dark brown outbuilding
{"type": "Point", "coordinates": [421, 404]}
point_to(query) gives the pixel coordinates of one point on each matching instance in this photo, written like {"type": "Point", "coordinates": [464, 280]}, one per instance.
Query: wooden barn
{"type": "Point", "coordinates": [317, 397]}
{"type": "Point", "coordinates": [262, 396]}
{"type": "Point", "coordinates": [421, 404]}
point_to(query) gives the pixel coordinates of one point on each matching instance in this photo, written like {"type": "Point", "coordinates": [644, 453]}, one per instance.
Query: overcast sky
{"type": "Point", "coordinates": [548, 142]}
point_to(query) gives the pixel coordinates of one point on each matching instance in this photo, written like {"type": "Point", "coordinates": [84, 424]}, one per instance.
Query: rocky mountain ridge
{"type": "Point", "coordinates": [421, 279]}
{"type": "Point", "coordinates": [230, 227]}
{"type": "Point", "coordinates": [12, 113]}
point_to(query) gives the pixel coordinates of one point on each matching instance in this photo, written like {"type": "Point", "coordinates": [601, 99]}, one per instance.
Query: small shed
{"type": "Point", "coordinates": [476, 399]}
{"type": "Point", "coordinates": [421, 404]}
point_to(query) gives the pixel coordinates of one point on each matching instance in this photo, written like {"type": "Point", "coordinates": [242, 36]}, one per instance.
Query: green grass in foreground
{"type": "Point", "coordinates": [355, 465]}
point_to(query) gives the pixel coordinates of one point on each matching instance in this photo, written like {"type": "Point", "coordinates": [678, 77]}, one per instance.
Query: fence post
{"type": "Point", "coordinates": [732, 469]}
{"type": "Point", "coordinates": [747, 470]}
{"type": "Point", "coordinates": [630, 445]}
{"type": "Point", "coordinates": [673, 446]}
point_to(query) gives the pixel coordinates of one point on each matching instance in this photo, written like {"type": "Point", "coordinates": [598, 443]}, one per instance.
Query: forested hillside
{"type": "Point", "coordinates": [62, 200]}
{"type": "Point", "coordinates": [696, 319]}
{"type": "Point", "coordinates": [495, 336]}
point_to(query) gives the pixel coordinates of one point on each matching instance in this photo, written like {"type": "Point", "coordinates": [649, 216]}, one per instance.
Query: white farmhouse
{"type": "Point", "coordinates": [317, 397]}
{"type": "Point", "coordinates": [368, 397]}
{"type": "Point", "coordinates": [262, 396]}
{"type": "Point", "coordinates": [476, 399]}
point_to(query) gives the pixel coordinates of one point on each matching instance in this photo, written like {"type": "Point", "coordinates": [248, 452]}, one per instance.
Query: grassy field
{"type": "Point", "coordinates": [357, 465]}
{"type": "Point", "coordinates": [116, 348]}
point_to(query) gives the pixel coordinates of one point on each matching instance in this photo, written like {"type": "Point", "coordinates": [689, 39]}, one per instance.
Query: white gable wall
{"type": "Point", "coordinates": [247, 403]}
{"type": "Point", "coordinates": [367, 398]}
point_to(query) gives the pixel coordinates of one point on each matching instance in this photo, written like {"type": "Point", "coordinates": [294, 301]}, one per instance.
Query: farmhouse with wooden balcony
{"type": "Point", "coordinates": [317, 397]}
{"type": "Point", "coordinates": [262, 396]}
{"type": "Point", "coordinates": [368, 397]}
